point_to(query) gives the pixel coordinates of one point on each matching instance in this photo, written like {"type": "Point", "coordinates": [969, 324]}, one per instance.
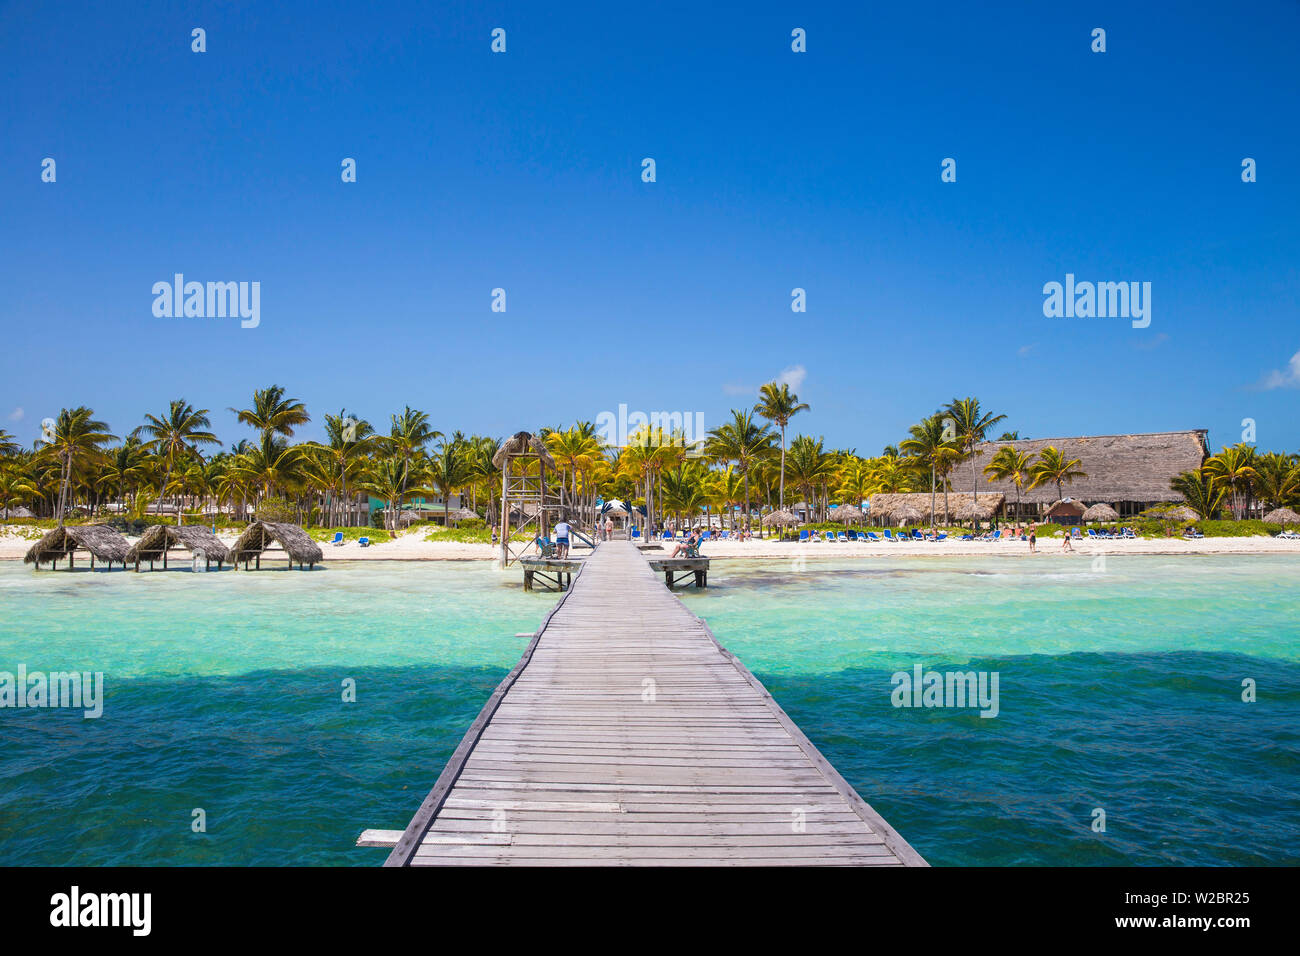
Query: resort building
{"type": "Point", "coordinates": [1127, 472]}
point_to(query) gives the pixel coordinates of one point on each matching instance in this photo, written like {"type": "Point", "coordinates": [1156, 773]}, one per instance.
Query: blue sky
{"type": "Point", "coordinates": [775, 170]}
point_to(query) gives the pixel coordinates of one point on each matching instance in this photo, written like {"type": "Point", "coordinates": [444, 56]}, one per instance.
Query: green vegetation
{"type": "Point", "coordinates": [744, 468]}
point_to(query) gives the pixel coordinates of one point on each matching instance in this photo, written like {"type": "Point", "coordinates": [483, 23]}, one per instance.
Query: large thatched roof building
{"type": "Point", "coordinates": [160, 538]}
{"type": "Point", "coordinates": [961, 506]}
{"type": "Point", "coordinates": [1128, 472]}
{"type": "Point", "coordinates": [261, 535]}
{"type": "Point", "coordinates": [103, 543]}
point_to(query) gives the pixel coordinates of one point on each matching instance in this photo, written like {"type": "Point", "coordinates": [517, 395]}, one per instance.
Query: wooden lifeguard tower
{"type": "Point", "coordinates": [523, 460]}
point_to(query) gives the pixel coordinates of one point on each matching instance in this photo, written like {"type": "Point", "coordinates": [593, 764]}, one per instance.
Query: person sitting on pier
{"type": "Point", "coordinates": [690, 542]}
{"type": "Point", "coordinates": [562, 530]}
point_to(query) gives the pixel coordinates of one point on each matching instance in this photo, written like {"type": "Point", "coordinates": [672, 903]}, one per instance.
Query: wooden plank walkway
{"type": "Point", "coordinates": [627, 735]}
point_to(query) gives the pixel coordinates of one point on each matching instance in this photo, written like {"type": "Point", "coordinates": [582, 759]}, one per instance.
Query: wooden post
{"type": "Point", "coordinates": [505, 511]}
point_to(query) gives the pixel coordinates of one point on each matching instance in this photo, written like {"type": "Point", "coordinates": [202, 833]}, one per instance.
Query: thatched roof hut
{"type": "Point", "coordinates": [523, 443]}
{"type": "Point", "coordinates": [160, 538]}
{"type": "Point", "coordinates": [103, 543]}
{"type": "Point", "coordinates": [1067, 508]}
{"type": "Point", "coordinates": [781, 519]}
{"type": "Point", "coordinates": [1282, 516]}
{"type": "Point", "coordinates": [1101, 512]}
{"type": "Point", "coordinates": [1132, 468]}
{"type": "Point", "coordinates": [462, 514]}
{"type": "Point", "coordinates": [960, 505]}
{"type": "Point", "coordinates": [260, 535]}
{"type": "Point", "coordinates": [19, 511]}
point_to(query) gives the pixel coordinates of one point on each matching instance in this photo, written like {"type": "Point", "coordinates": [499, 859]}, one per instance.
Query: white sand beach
{"type": "Point", "coordinates": [413, 547]}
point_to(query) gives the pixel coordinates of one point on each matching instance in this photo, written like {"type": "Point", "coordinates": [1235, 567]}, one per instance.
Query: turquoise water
{"type": "Point", "coordinates": [1120, 689]}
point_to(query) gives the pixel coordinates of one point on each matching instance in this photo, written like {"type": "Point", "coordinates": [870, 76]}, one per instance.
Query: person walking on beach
{"type": "Point", "coordinates": [1033, 539]}
{"type": "Point", "coordinates": [1065, 544]}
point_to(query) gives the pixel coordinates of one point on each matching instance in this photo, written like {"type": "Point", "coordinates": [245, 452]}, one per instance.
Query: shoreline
{"type": "Point", "coordinates": [414, 548]}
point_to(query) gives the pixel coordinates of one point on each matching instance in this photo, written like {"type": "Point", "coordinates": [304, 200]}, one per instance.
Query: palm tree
{"type": "Point", "coordinates": [272, 413]}
{"type": "Point", "coordinates": [1277, 479]}
{"type": "Point", "coordinates": [408, 435]}
{"type": "Point", "coordinates": [740, 441]}
{"type": "Point", "coordinates": [16, 486]}
{"type": "Point", "coordinates": [127, 466]}
{"type": "Point", "coordinates": [347, 440]}
{"type": "Point", "coordinates": [1234, 469]}
{"type": "Point", "coordinates": [8, 446]}
{"type": "Point", "coordinates": [178, 431]}
{"type": "Point", "coordinates": [449, 469]}
{"type": "Point", "coordinates": [1053, 466]}
{"type": "Point", "coordinates": [77, 440]}
{"type": "Point", "coordinates": [779, 405]}
{"type": "Point", "coordinates": [1010, 464]}
{"type": "Point", "coordinates": [930, 450]}
{"type": "Point", "coordinates": [856, 480]}
{"type": "Point", "coordinates": [1201, 492]}
{"type": "Point", "coordinates": [972, 425]}
{"type": "Point", "coordinates": [810, 466]}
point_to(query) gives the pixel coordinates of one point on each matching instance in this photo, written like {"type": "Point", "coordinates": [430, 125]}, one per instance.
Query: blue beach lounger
{"type": "Point", "coordinates": [844, 537]}
{"type": "Point", "coordinates": [338, 538]}
{"type": "Point", "coordinates": [364, 542]}
{"type": "Point", "coordinates": [830, 536]}
{"type": "Point", "coordinates": [872, 536]}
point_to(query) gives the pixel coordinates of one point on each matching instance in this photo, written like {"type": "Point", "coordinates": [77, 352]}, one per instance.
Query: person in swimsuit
{"type": "Point", "coordinates": [1033, 539]}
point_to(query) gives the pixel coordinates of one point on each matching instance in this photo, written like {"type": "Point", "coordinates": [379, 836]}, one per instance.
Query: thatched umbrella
{"type": "Point", "coordinates": [1101, 512]}
{"type": "Point", "coordinates": [906, 514]}
{"type": "Point", "coordinates": [847, 513]}
{"type": "Point", "coordinates": [784, 518]}
{"type": "Point", "coordinates": [1282, 516]}
{"type": "Point", "coordinates": [1183, 513]}
{"type": "Point", "coordinates": [462, 514]}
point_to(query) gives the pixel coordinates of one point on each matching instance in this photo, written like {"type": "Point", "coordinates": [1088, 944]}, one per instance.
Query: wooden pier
{"type": "Point", "coordinates": [557, 573]}
{"type": "Point", "coordinates": [626, 735]}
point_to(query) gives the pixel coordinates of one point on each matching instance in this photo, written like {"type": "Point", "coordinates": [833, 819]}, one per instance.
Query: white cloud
{"type": "Point", "coordinates": [792, 376]}
{"type": "Point", "coordinates": [1287, 378]}
{"type": "Point", "coordinates": [1153, 343]}
{"type": "Point", "coordinates": [17, 415]}
{"type": "Point", "coordinates": [1026, 349]}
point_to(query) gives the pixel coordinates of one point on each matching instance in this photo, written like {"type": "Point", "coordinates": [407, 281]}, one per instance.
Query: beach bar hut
{"type": "Point", "coordinates": [161, 538]}
{"type": "Point", "coordinates": [101, 541]}
{"type": "Point", "coordinates": [1066, 511]}
{"type": "Point", "coordinates": [260, 536]}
